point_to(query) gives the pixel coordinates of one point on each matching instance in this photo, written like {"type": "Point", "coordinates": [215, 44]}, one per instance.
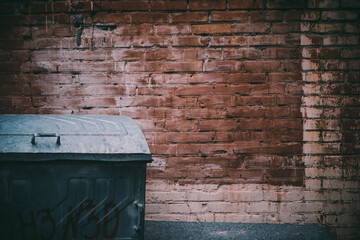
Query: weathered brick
{"type": "Point", "coordinates": [243, 4]}
{"type": "Point", "coordinates": [285, 27]}
{"type": "Point", "coordinates": [269, 15]}
{"type": "Point", "coordinates": [168, 5]}
{"type": "Point", "coordinates": [323, 3]}
{"type": "Point", "coordinates": [321, 53]}
{"type": "Point", "coordinates": [296, 15]}
{"type": "Point", "coordinates": [173, 29]}
{"type": "Point", "coordinates": [272, 40]}
{"type": "Point", "coordinates": [247, 78]}
{"type": "Point", "coordinates": [250, 27]}
{"type": "Point", "coordinates": [226, 65]}
{"type": "Point", "coordinates": [341, 40]}
{"type": "Point", "coordinates": [286, 4]}
{"type": "Point", "coordinates": [349, 4]}
{"type": "Point", "coordinates": [189, 17]}
{"type": "Point", "coordinates": [182, 41]}
{"type": "Point", "coordinates": [142, 29]}
{"type": "Point", "coordinates": [150, 17]}
{"type": "Point", "coordinates": [261, 66]}
{"type": "Point", "coordinates": [207, 4]}
{"type": "Point", "coordinates": [327, 27]}
{"type": "Point", "coordinates": [249, 53]}
{"type": "Point", "coordinates": [129, 5]}
{"type": "Point", "coordinates": [339, 15]}
{"type": "Point", "coordinates": [212, 29]}
{"type": "Point", "coordinates": [229, 16]}
{"type": "Point", "coordinates": [228, 41]}
{"type": "Point", "coordinates": [182, 67]}
{"type": "Point", "coordinates": [160, 54]}
{"type": "Point", "coordinates": [150, 41]}
{"type": "Point", "coordinates": [311, 40]}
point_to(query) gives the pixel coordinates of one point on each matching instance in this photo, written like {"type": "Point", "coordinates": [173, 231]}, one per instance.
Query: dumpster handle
{"type": "Point", "coordinates": [33, 142]}
{"type": "Point", "coordinates": [140, 209]}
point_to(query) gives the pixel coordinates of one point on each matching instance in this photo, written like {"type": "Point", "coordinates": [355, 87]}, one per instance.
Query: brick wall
{"type": "Point", "coordinates": [250, 108]}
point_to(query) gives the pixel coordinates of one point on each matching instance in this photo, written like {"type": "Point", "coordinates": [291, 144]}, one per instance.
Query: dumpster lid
{"type": "Point", "coordinates": [73, 137]}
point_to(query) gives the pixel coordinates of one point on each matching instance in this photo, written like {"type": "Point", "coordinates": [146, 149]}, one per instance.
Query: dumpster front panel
{"type": "Point", "coordinates": [79, 200]}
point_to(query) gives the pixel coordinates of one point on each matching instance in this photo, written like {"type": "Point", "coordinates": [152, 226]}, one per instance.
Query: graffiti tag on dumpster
{"type": "Point", "coordinates": [98, 223]}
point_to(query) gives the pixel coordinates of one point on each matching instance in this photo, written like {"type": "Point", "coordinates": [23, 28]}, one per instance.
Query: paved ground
{"type": "Point", "coordinates": [239, 231]}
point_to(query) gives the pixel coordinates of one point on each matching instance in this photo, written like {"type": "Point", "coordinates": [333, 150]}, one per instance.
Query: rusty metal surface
{"type": "Point", "coordinates": [72, 134]}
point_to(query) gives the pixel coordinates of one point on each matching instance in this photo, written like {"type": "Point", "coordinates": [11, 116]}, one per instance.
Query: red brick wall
{"type": "Point", "coordinates": [215, 85]}
{"type": "Point", "coordinates": [261, 92]}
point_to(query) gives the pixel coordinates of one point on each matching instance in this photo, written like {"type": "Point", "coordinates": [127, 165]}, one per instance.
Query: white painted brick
{"type": "Point", "coordinates": [289, 196]}
{"type": "Point", "coordinates": [250, 218]}
{"type": "Point", "coordinates": [322, 196]}
{"type": "Point", "coordinates": [311, 160]}
{"type": "Point", "coordinates": [333, 184]}
{"type": "Point", "coordinates": [332, 172]}
{"type": "Point", "coordinates": [318, 148]}
{"type": "Point", "coordinates": [240, 187]}
{"type": "Point", "coordinates": [327, 172]}
{"type": "Point", "coordinates": [300, 207]}
{"type": "Point", "coordinates": [351, 195]}
{"type": "Point", "coordinates": [309, 101]}
{"type": "Point", "coordinates": [315, 124]}
{"type": "Point", "coordinates": [340, 220]}
{"type": "Point", "coordinates": [211, 217]}
{"type": "Point", "coordinates": [291, 218]}
{"type": "Point", "coordinates": [312, 218]}
{"type": "Point", "coordinates": [203, 196]}
{"type": "Point", "coordinates": [311, 89]}
{"type": "Point", "coordinates": [263, 207]}
{"type": "Point", "coordinates": [158, 185]}
{"type": "Point", "coordinates": [157, 197]}
{"type": "Point", "coordinates": [272, 218]}
{"type": "Point", "coordinates": [312, 184]}
{"type": "Point", "coordinates": [172, 217]}
{"type": "Point", "coordinates": [242, 196]}
{"type": "Point", "coordinates": [181, 208]}
{"type": "Point", "coordinates": [155, 208]}
{"type": "Point", "coordinates": [227, 207]}
{"type": "Point", "coordinates": [264, 203]}
{"type": "Point", "coordinates": [311, 76]}
{"type": "Point", "coordinates": [311, 112]}
{"type": "Point", "coordinates": [311, 136]}
{"type": "Point", "coordinates": [352, 184]}
{"type": "Point", "coordinates": [198, 207]}
{"type": "Point", "coordinates": [310, 65]}
{"type": "Point", "coordinates": [333, 208]}
{"type": "Point", "coordinates": [205, 187]}
{"type": "Point", "coordinates": [283, 188]}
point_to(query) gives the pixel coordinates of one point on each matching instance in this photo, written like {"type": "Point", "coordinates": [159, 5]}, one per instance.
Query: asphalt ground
{"type": "Point", "coordinates": [155, 230]}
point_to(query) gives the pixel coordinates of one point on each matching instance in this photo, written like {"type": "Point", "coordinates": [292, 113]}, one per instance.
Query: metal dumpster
{"type": "Point", "coordinates": [71, 177]}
